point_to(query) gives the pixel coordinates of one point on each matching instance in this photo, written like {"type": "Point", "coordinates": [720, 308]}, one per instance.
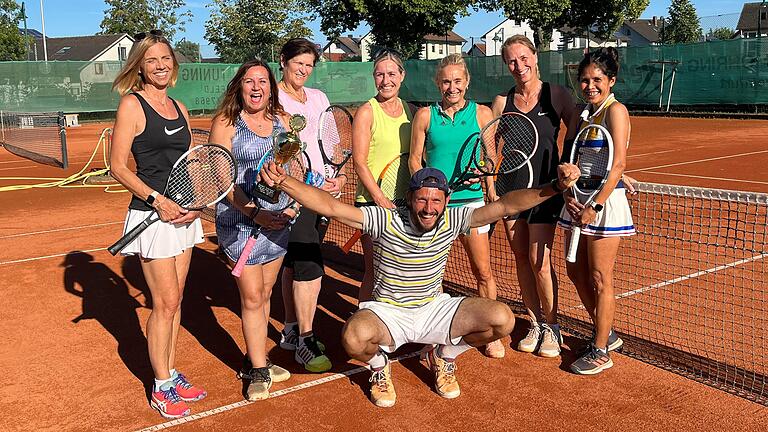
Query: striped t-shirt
{"type": "Point", "coordinates": [408, 266]}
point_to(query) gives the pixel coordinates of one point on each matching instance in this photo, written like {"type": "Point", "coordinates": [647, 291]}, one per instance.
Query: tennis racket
{"type": "Point", "coordinates": [294, 167]}
{"type": "Point", "coordinates": [592, 152]}
{"type": "Point", "coordinates": [503, 146]}
{"type": "Point", "coordinates": [393, 181]}
{"type": "Point", "coordinates": [202, 176]}
{"type": "Point", "coordinates": [334, 135]}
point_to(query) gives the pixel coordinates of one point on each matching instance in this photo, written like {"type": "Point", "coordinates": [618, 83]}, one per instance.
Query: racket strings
{"type": "Point", "coordinates": [394, 180]}
{"type": "Point", "coordinates": [516, 142]}
{"type": "Point", "coordinates": [201, 178]}
{"type": "Point", "coordinates": [336, 135]}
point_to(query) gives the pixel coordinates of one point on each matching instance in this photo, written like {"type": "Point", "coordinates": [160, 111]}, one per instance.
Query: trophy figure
{"type": "Point", "coordinates": [285, 147]}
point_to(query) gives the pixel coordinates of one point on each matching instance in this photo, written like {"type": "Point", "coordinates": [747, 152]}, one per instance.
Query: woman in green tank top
{"type": "Point", "coordinates": [381, 132]}
{"type": "Point", "coordinates": [438, 135]}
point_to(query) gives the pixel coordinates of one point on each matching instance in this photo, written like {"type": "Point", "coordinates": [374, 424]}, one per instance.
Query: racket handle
{"type": "Point", "coordinates": [240, 265]}
{"type": "Point", "coordinates": [574, 246]}
{"type": "Point", "coordinates": [352, 241]}
{"type": "Point", "coordinates": [132, 234]}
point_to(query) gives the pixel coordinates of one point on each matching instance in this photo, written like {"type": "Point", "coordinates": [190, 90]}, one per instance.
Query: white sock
{"type": "Point", "coordinates": [378, 361]}
{"type": "Point", "coordinates": [159, 384]}
{"type": "Point", "coordinates": [173, 373]}
{"type": "Point", "coordinates": [450, 352]}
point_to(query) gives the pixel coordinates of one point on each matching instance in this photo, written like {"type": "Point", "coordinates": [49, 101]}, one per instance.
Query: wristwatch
{"type": "Point", "coordinates": [151, 198]}
{"type": "Point", "coordinates": [596, 207]}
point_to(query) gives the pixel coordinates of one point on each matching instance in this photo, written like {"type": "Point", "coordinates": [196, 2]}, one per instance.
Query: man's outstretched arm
{"type": "Point", "coordinates": [514, 202]}
{"type": "Point", "coordinates": [315, 199]}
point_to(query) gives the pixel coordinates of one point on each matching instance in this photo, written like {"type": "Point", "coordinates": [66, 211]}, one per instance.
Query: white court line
{"type": "Point", "coordinates": [698, 161]}
{"type": "Point", "coordinates": [49, 256]}
{"type": "Point", "coordinates": [230, 407]}
{"type": "Point", "coordinates": [60, 229]}
{"type": "Point", "coordinates": [705, 177]}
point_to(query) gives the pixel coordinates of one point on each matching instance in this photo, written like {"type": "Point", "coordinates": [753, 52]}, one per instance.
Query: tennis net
{"type": "Point", "coordinates": [691, 285]}
{"type": "Point", "coordinates": [38, 136]}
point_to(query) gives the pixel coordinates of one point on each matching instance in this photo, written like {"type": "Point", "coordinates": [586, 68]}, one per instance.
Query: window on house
{"type": "Point", "coordinates": [441, 49]}
{"type": "Point", "coordinates": [763, 15]}
{"type": "Point", "coordinates": [98, 68]}
{"type": "Point", "coordinates": [122, 53]}
{"type": "Point", "coordinates": [433, 48]}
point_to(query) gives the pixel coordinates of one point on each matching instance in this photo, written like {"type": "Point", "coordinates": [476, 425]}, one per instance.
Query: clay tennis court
{"type": "Point", "coordinates": [74, 354]}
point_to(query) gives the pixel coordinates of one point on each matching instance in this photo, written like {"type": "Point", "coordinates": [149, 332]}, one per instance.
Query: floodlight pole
{"type": "Point", "coordinates": [42, 17]}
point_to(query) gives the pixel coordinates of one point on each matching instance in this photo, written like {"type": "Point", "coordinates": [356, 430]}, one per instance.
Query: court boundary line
{"type": "Point", "coordinates": [704, 177]}
{"type": "Point", "coordinates": [283, 392]}
{"type": "Point", "coordinates": [60, 229]}
{"type": "Point", "coordinates": [698, 161]}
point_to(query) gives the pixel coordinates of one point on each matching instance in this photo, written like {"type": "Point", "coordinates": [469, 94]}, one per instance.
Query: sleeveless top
{"type": "Point", "coordinates": [157, 148]}
{"type": "Point", "coordinates": [389, 138]}
{"type": "Point", "coordinates": [445, 148]}
{"type": "Point", "coordinates": [546, 118]}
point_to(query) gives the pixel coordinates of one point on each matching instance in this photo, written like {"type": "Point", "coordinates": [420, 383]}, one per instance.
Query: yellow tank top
{"type": "Point", "coordinates": [389, 138]}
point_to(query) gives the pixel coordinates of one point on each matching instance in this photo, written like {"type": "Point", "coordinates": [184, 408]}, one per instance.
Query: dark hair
{"type": "Point", "coordinates": [607, 59]}
{"type": "Point", "coordinates": [295, 47]}
{"type": "Point", "coordinates": [232, 101]}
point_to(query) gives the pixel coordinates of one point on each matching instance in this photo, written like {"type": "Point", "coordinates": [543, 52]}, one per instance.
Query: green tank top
{"type": "Point", "coordinates": [446, 140]}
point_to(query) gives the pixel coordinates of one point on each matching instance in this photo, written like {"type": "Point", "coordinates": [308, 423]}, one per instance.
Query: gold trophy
{"type": "Point", "coordinates": [285, 146]}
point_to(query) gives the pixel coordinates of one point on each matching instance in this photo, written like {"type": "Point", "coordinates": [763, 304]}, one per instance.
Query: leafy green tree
{"type": "Point", "coordinates": [721, 33]}
{"type": "Point", "coordinates": [397, 24]}
{"type": "Point", "coordinates": [136, 16]}
{"type": "Point", "coordinates": [243, 29]}
{"type": "Point", "coordinates": [190, 49]}
{"type": "Point", "coordinates": [683, 25]}
{"type": "Point", "coordinates": [11, 41]}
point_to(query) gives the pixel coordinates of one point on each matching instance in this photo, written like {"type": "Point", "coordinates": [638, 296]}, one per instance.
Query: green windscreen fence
{"type": "Point", "coordinates": [733, 72]}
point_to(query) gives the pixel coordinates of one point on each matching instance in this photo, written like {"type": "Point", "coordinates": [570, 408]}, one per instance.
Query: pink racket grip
{"type": "Point", "coordinates": [240, 265]}
{"type": "Point", "coordinates": [574, 246]}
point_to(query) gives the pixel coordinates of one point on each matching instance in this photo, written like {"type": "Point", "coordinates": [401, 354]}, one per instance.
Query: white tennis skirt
{"type": "Point", "coordinates": [614, 221]}
{"type": "Point", "coordinates": [161, 239]}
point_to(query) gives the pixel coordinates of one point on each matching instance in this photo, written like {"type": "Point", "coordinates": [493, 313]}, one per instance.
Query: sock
{"type": "Point", "coordinates": [450, 352]}
{"type": "Point", "coordinates": [173, 373]}
{"type": "Point", "coordinates": [163, 384]}
{"type": "Point", "coordinates": [603, 351]}
{"type": "Point", "coordinates": [378, 361]}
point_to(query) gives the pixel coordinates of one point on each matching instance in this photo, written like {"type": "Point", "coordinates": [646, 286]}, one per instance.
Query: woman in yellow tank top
{"type": "Point", "coordinates": [381, 131]}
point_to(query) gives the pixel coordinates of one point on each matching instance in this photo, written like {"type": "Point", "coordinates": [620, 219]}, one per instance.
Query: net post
{"type": "Point", "coordinates": [63, 137]}
{"type": "Point", "coordinates": [671, 83]}
{"type": "Point", "coordinates": [2, 127]}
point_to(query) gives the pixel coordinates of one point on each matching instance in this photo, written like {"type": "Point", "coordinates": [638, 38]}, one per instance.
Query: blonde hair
{"type": "Point", "coordinates": [451, 60]}
{"type": "Point", "coordinates": [387, 54]}
{"type": "Point", "coordinates": [517, 39]}
{"type": "Point", "coordinates": [130, 78]}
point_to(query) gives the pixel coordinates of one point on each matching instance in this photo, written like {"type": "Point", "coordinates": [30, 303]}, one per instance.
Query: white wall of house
{"type": "Point", "coordinates": [494, 38]}
{"type": "Point", "coordinates": [117, 52]}
{"type": "Point", "coordinates": [434, 50]}
{"type": "Point", "coordinates": [365, 47]}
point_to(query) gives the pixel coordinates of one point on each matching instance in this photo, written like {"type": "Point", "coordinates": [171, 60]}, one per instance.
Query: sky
{"type": "Point", "coordinates": [82, 17]}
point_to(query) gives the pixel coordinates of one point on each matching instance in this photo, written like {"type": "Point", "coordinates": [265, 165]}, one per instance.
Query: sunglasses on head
{"type": "Point", "coordinates": [139, 36]}
{"type": "Point", "coordinates": [383, 52]}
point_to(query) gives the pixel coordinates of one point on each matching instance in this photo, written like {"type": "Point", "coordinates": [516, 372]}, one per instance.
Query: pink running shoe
{"type": "Point", "coordinates": [169, 404]}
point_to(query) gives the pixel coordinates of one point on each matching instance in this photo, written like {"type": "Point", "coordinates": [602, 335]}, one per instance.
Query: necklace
{"type": "Point", "coordinates": [255, 121]}
{"type": "Point", "coordinates": [301, 97]}
{"type": "Point", "coordinates": [530, 97]}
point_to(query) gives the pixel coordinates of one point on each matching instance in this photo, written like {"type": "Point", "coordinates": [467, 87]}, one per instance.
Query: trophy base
{"type": "Point", "coordinates": [266, 193]}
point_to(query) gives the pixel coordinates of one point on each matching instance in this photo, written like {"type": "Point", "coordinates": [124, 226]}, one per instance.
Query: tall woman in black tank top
{"type": "Point", "coordinates": [155, 129]}
{"type": "Point", "coordinates": [532, 233]}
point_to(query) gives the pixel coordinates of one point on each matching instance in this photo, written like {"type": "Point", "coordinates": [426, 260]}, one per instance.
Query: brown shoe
{"type": "Point", "coordinates": [445, 376]}
{"type": "Point", "coordinates": [382, 390]}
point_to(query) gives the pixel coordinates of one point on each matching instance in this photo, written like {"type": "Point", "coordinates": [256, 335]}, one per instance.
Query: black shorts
{"type": "Point", "coordinates": [544, 213]}
{"type": "Point", "coordinates": [304, 255]}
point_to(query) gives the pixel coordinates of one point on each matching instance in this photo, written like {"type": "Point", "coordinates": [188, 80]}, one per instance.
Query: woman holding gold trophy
{"type": "Point", "coordinates": [247, 122]}
{"type": "Point", "coordinates": [303, 264]}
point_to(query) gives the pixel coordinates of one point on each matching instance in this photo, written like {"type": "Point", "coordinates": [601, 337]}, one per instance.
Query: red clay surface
{"type": "Point", "coordinates": [74, 356]}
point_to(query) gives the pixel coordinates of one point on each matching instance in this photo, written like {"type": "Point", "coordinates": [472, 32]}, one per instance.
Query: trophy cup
{"type": "Point", "coordinates": [285, 146]}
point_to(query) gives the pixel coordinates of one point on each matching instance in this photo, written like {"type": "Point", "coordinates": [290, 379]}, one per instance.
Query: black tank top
{"type": "Point", "coordinates": [547, 121]}
{"type": "Point", "coordinates": [156, 149]}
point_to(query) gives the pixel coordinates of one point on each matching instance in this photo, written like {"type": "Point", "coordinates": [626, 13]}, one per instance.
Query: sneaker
{"type": "Point", "coordinates": [259, 383]}
{"type": "Point", "coordinates": [289, 340]}
{"type": "Point", "coordinates": [495, 349]}
{"type": "Point", "coordinates": [532, 340]}
{"type": "Point", "coordinates": [614, 342]}
{"type": "Point", "coordinates": [382, 390]}
{"type": "Point", "coordinates": [277, 373]}
{"type": "Point", "coordinates": [446, 384]}
{"type": "Point", "coordinates": [592, 362]}
{"type": "Point", "coordinates": [186, 391]}
{"type": "Point", "coordinates": [550, 340]}
{"type": "Point", "coordinates": [312, 357]}
{"type": "Point", "coordinates": [169, 404]}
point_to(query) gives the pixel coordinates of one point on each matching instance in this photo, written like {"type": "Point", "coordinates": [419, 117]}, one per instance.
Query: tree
{"type": "Point", "coordinates": [600, 17]}
{"type": "Point", "coordinates": [11, 40]}
{"type": "Point", "coordinates": [397, 24]}
{"type": "Point", "coordinates": [682, 26]}
{"type": "Point", "coordinates": [721, 33]}
{"type": "Point", "coordinates": [136, 16]}
{"type": "Point", "coordinates": [190, 49]}
{"type": "Point", "coordinates": [243, 29]}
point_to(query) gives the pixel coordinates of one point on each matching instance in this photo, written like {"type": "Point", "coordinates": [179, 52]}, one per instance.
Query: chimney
{"type": "Point", "coordinates": [350, 36]}
{"type": "Point", "coordinates": [654, 22]}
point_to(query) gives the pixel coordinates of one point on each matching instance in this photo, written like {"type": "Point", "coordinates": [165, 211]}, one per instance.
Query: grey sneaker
{"type": "Point", "coordinates": [550, 340]}
{"type": "Point", "coordinates": [532, 340]}
{"type": "Point", "coordinates": [289, 338]}
{"type": "Point", "coordinates": [593, 361]}
{"type": "Point", "coordinates": [614, 341]}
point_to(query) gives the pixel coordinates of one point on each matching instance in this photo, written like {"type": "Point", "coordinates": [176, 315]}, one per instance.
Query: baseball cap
{"type": "Point", "coordinates": [429, 177]}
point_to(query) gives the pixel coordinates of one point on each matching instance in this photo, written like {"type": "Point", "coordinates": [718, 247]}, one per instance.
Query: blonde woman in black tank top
{"type": "Point", "coordinates": [531, 234]}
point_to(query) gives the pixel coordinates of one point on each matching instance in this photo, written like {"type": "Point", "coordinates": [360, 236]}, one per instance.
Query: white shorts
{"type": "Point", "coordinates": [161, 239]}
{"type": "Point", "coordinates": [615, 220]}
{"type": "Point", "coordinates": [476, 205]}
{"type": "Point", "coordinates": [429, 324]}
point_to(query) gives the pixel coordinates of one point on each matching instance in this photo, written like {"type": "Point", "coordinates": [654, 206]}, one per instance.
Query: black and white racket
{"type": "Point", "coordinates": [334, 135]}
{"type": "Point", "coordinates": [592, 152]}
{"type": "Point", "coordinates": [202, 176]}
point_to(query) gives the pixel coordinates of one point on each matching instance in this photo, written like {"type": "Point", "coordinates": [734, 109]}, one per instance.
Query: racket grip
{"type": "Point", "coordinates": [352, 241]}
{"type": "Point", "coordinates": [240, 265]}
{"type": "Point", "coordinates": [574, 246]}
{"type": "Point", "coordinates": [130, 236]}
